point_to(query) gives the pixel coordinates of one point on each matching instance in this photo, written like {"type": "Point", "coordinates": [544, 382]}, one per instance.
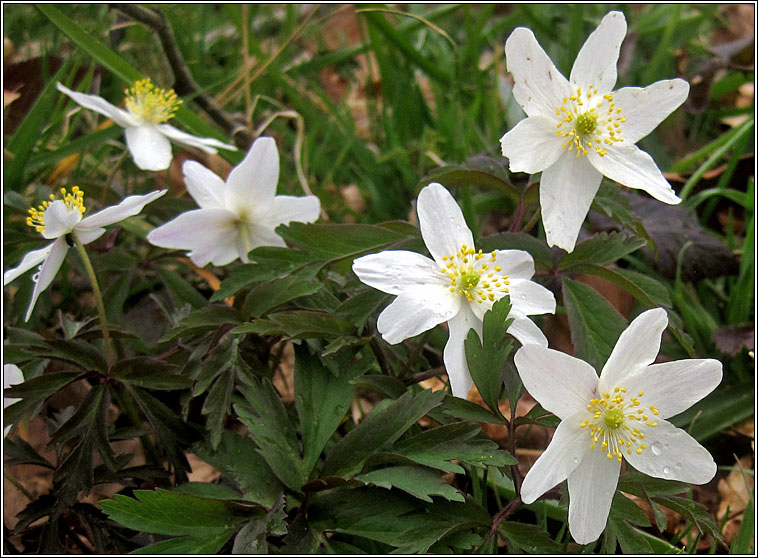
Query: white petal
{"type": "Point", "coordinates": [596, 62]}
{"type": "Point", "coordinates": [12, 375]}
{"type": "Point", "coordinates": [628, 165]}
{"type": "Point", "coordinates": [89, 235]}
{"type": "Point", "coordinates": [209, 234]}
{"type": "Point", "coordinates": [30, 260]}
{"type": "Point", "coordinates": [562, 456]}
{"type": "Point", "coordinates": [60, 219]}
{"type": "Point", "coordinates": [100, 105]}
{"type": "Point", "coordinates": [532, 145]}
{"type": "Point", "coordinates": [149, 148]}
{"type": "Point", "coordinates": [527, 332]}
{"type": "Point", "coordinates": [204, 144]}
{"type": "Point", "coordinates": [529, 298]}
{"type": "Point", "coordinates": [394, 271]}
{"type": "Point", "coordinates": [591, 489]}
{"type": "Point", "coordinates": [130, 206]}
{"type": "Point", "coordinates": [672, 454]}
{"type": "Point", "coordinates": [561, 383]}
{"type": "Point", "coordinates": [516, 264]}
{"type": "Point", "coordinates": [414, 311]}
{"type": "Point", "coordinates": [443, 227]}
{"type": "Point", "coordinates": [454, 355]}
{"type": "Point", "coordinates": [637, 346]}
{"type": "Point", "coordinates": [645, 108]}
{"type": "Point", "coordinates": [263, 235]}
{"type": "Point", "coordinates": [251, 186]}
{"type": "Point", "coordinates": [673, 387]}
{"type": "Point", "coordinates": [47, 272]}
{"type": "Point", "coordinates": [567, 189]}
{"type": "Point", "coordinates": [538, 86]}
{"type": "Point", "coordinates": [204, 185]}
{"type": "Point", "coordinates": [285, 209]}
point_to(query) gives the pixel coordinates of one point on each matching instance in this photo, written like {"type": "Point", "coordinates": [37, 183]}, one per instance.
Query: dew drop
{"type": "Point", "coordinates": [656, 448]}
{"type": "Point", "coordinates": [576, 460]}
{"type": "Point", "coordinates": [667, 470]}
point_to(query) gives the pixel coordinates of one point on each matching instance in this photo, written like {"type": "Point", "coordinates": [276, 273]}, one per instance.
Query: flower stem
{"type": "Point", "coordinates": [98, 297]}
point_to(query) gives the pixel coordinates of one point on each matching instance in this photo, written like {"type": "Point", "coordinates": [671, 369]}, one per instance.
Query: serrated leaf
{"type": "Point", "coordinates": [335, 242]}
{"type": "Point", "coordinates": [529, 538]}
{"type": "Point", "coordinates": [595, 324]}
{"type": "Point", "coordinates": [209, 317]}
{"type": "Point", "coordinates": [209, 543]}
{"type": "Point", "coordinates": [601, 249]}
{"type": "Point", "coordinates": [416, 481]}
{"type": "Point", "coordinates": [461, 408]}
{"type": "Point", "coordinates": [487, 357]}
{"type": "Point", "coordinates": [299, 324]}
{"type": "Point", "coordinates": [181, 290]}
{"type": "Point", "coordinates": [321, 400]}
{"type": "Point", "coordinates": [208, 490]}
{"type": "Point", "coordinates": [238, 458]}
{"type": "Point", "coordinates": [467, 175]}
{"type": "Point", "coordinates": [438, 447]}
{"type": "Point", "coordinates": [540, 252]}
{"type": "Point", "coordinates": [41, 387]}
{"type": "Point", "coordinates": [170, 513]}
{"type": "Point", "coordinates": [275, 293]}
{"type": "Point", "coordinates": [378, 430]}
{"type": "Point", "coordinates": [77, 352]}
{"type": "Point", "coordinates": [647, 290]}
{"type": "Point", "coordinates": [631, 540]}
{"type": "Point", "coordinates": [693, 511]}
{"type": "Point", "coordinates": [622, 508]}
{"type": "Point", "coordinates": [361, 305]}
{"type": "Point", "coordinates": [266, 418]}
{"type": "Point", "coordinates": [149, 373]}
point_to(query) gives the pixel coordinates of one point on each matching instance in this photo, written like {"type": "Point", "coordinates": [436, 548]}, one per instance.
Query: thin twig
{"type": "Point", "coordinates": [184, 83]}
{"type": "Point", "coordinates": [425, 375]}
{"type": "Point", "coordinates": [508, 510]}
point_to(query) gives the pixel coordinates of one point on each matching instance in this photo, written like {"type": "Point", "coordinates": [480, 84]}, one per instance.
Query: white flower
{"type": "Point", "coordinates": [236, 216]}
{"type": "Point", "coordinates": [579, 129]}
{"type": "Point", "coordinates": [11, 376]}
{"type": "Point", "coordinates": [458, 286]}
{"type": "Point", "coordinates": [620, 414]}
{"type": "Point", "coordinates": [147, 135]}
{"type": "Point", "coordinates": [56, 219]}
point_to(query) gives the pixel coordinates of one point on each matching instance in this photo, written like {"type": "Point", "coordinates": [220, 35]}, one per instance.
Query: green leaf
{"type": "Point", "coordinates": [237, 458]}
{"type": "Point", "coordinates": [529, 538]}
{"type": "Point", "coordinates": [269, 295]}
{"type": "Point", "coordinates": [416, 481]}
{"type": "Point", "coordinates": [540, 252]}
{"type": "Point", "coordinates": [321, 400]}
{"type": "Point", "coordinates": [612, 203]}
{"type": "Point", "coordinates": [170, 513]}
{"type": "Point", "coordinates": [601, 249]}
{"type": "Point", "coordinates": [631, 540]}
{"type": "Point", "coordinates": [462, 176]}
{"type": "Point", "coordinates": [77, 352]}
{"type": "Point", "coordinates": [41, 387]}
{"type": "Point", "coordinates": [299, 324]}
{"type": "Point", "coordinates": [460, 408]}
{"type": "Point", "coordinates": [209, 543]}
{"type": "Point", "coordinates": [487, 357]}
{"type": "Point", "coordinates": [438, 447]}
{"type": "Point", "coordinates": [149, 373]}
{"type": "Point", "coordinates": [208, 490]}
{"type": "Point", "coordinates": [209, 317]}
{"type": "Point", "coordinates": [336, 242]}
{"type": "Point", "coordinates": [266, 418]}
{"type": "Point", "coordinates": [743, 542]}
{"type": "Point", "coordinates": [648, 291]}
{"type": "Point", "coordinates": [622, 508]}
{"type": "Point", "coordinates": [693, 511]}
{"type": "Point", "coordinates": [595, 324]}
{"type": "Point", "coordinates": [380, 429]}
{"type": "Point", "coordinates": [180, 289]}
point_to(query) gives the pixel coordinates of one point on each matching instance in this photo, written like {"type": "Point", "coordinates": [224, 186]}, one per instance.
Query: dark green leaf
{"type": "Point", "coordinates": [78, 352]}
{"type": "Point", "coordinates": [238, 458]}
{"type": "Point", "coordinates": [209, 317]}
{"type": "Point", "coordinates": [460, 408]}
{"type": "Point", "coordinates": [622, 508]}
{"type": "Point", "coordinates": [416, 481]}
{"type": "Point", "coordinates": [267, 419]}
{"type": "Point", "coordinates": [743, 542]}
{"type": "Point", "coordinates": [41, 387]}
{"type": "Point", "coordinates": [380, 429]}
{"type": "Point", "coordinates": [209, 543]}
{"type": "Point", "coordinates": [299, 324]}
{"type": "Point", "coordinates": [208, 490]}
{"type": "Point", "coordinates": [647, 290]}
{"type": "Point", "coordinates": [462, 176]}
{"type": "Point", "coordinates": [487, 357]}
{"type": "Point", "coordinates": [601, 249]}
{"type": "Point", "coordinates": [595, 324]}
{"type": "Point", "coordinates": [272, 294]}
{"type": "Point", "coordinates": [169, 513]}
{"type": "Point", "coordinates": [438, 447]}
{"type": "Point", "coordinates": [529, 538]}
{"type": "Point", "coordinates": [386, 385]}
{"type": "Point", "coordinates": [321, 400]}
{"type": "Point", "coordinates": [693, 511]}
{"type": "Point", "coordinates": [631, 540]}
{"type": "Point", "coordinates": [180, 290]}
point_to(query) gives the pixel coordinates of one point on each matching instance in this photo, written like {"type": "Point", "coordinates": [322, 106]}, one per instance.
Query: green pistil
{"type": "Point", "coordinates": [468, 280]}
{"type": "Point", "coordinates": [586, 123]}
{"type": "Point", "coordinates": [614, 418]}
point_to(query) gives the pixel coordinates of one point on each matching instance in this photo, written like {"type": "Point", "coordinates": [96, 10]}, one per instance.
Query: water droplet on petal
{"type": "Point", "coordinates": [667, 470]}
{"type": "Point", "coordinates": [656, 448]}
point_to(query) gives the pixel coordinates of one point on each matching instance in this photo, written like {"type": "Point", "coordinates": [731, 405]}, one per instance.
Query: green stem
{"type": "Point", "coordinates": [98, 297]}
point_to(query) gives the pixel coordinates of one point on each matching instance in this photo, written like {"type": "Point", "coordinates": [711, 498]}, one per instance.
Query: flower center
{"type": "Point", "coordinates": [614, 423]}
{"type": "Point", "coordinates": [74, 200]}
{"type": "Point", "coordinates": [150, 102]}
{"type": "Point", "coordinates": [589, 121]}
{"type": "Point", "coordinates": [473, 275]}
